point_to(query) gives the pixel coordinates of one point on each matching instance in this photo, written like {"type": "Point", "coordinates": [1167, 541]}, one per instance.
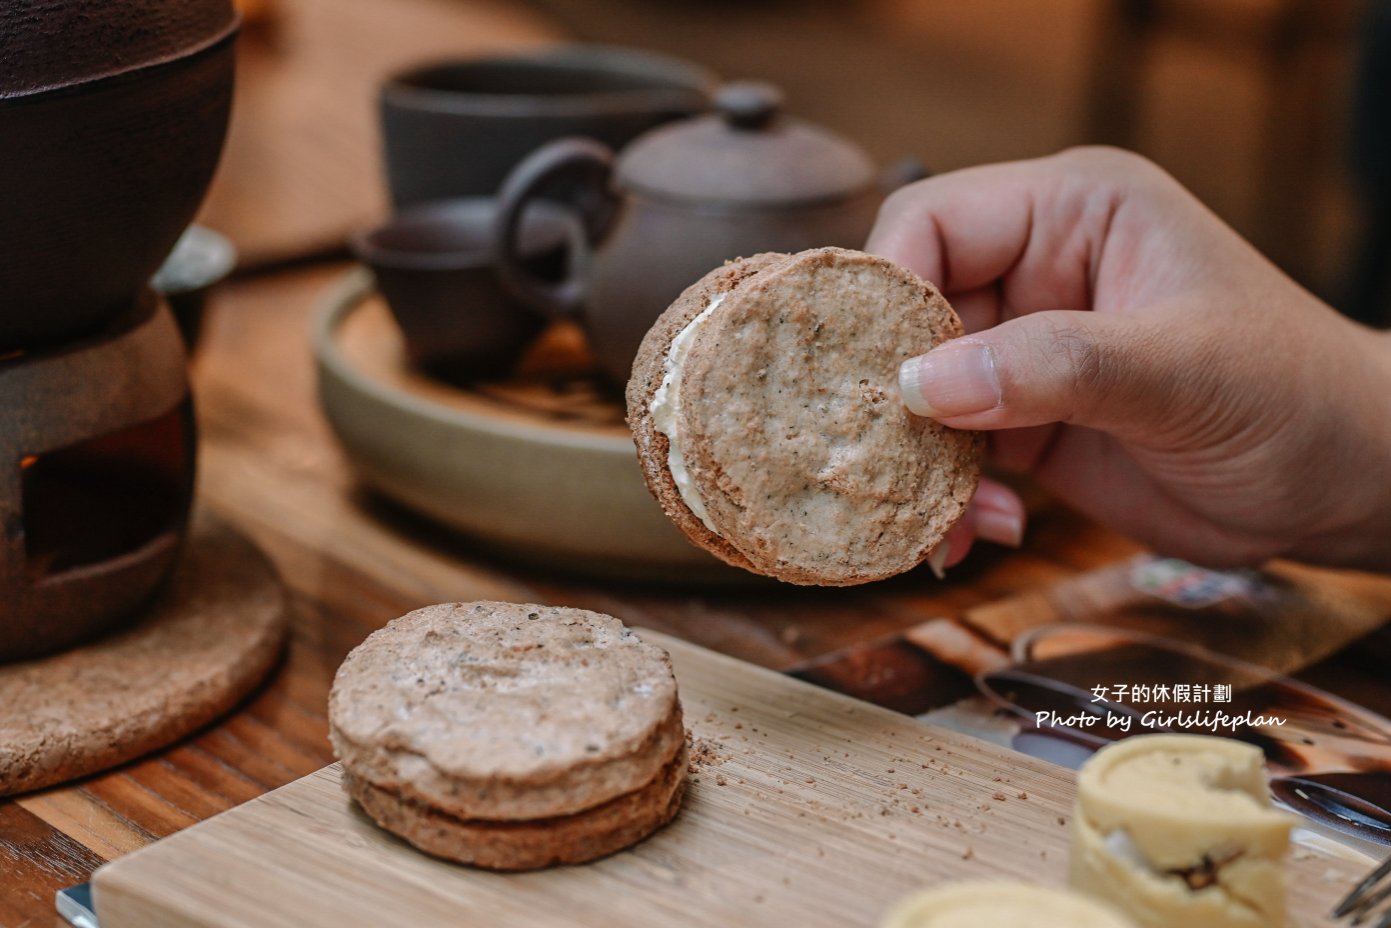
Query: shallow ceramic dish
{"type": "Point", "coordinates": [529, 479]}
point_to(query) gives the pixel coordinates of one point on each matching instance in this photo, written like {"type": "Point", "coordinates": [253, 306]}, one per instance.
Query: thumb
{"type": "Point", "coordinates": [1111, 373]}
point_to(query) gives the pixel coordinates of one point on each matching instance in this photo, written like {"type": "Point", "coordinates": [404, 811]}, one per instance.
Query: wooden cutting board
{"type": "Point", "coordinates": [806, 808]}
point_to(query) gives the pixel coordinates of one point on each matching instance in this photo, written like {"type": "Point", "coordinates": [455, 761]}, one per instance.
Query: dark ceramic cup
{"type": "Point", "coordinates": [435, 266]}
{"type": "Point", "coordinates": [456, 128]}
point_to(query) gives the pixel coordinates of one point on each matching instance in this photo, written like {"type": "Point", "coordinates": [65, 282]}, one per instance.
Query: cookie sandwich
{"type": "Point", "coordinates": [510, 736]}
{"type": "Point", "coordinates": [1179, 830]}
{"type": "Point", "coordinates": [765, 408]}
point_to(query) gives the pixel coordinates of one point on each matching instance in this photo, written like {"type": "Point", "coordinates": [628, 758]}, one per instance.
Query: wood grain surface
{"type": "Point", "coordinates": [301, 168]}
{"type": "Point", "coordinates": [808, 809]}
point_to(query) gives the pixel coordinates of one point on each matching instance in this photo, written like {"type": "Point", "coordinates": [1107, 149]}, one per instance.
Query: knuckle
{"type": "Point", "coordinates": [902, 201]}
{"type": "Point", "coordinates": [1071, 348]}
{"type": "Point", "coordinates": [1076, 363]}
{"type": "Point", "coordinates": [1084, 359]}
{"type": "Point", "coordinates": [1116, 170]}
{"type": "Point", "coordinates": [1108, 160]}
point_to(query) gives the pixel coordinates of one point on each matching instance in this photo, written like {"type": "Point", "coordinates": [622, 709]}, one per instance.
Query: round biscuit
{"type": "Point", "coordinates": [529, 845]}
{"type": "Point", "coordinates": [649, 369]}
{"type": "Point", "coordinates": [503, 711]}
{"type": "Point", "coordinates": [809, 465]}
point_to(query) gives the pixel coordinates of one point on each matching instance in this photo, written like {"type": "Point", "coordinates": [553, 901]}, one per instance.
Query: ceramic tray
{"type": "Point", "coordinates": [540, 467]}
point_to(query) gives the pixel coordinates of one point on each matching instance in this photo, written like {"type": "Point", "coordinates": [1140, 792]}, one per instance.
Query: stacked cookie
{"type": "Point", "coordinates": [510, 736]}
{"type": "Point", "coordinates": [1179, 830]}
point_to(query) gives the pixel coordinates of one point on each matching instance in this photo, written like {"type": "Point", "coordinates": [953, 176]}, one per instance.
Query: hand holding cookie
{"type": "Point", "coordinates": [1146, 364]}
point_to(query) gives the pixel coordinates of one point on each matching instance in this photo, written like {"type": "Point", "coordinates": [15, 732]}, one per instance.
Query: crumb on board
{"type": "Point", "coordinates": [703, 754]}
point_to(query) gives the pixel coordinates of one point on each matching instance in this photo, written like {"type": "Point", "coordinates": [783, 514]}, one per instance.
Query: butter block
{"type": "Point", "coordinates": [1179, 832]}
{"type": "Point", "coordinates": [1001, 905]}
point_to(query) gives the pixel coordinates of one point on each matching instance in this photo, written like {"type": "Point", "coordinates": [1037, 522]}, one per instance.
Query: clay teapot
{"type": "Point", "coordinates": [112, 117]}
{"type": "Point", "coordinates": [680, 200]}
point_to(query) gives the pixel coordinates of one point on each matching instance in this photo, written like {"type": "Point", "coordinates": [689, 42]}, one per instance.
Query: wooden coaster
{"type": "Point", "coordinates": [208, 640]}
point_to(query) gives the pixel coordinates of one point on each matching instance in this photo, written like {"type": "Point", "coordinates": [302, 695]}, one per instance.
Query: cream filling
{"type": "Point", "coordinates": [666, 406]}
{"type": "Point", "coordinates": [1124, 848]}
{"type": "Point", "coordinates": [1121, 846]}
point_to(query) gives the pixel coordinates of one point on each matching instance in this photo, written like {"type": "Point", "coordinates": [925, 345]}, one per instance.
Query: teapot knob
{"type": "Point", "coordinates": [748, 104]}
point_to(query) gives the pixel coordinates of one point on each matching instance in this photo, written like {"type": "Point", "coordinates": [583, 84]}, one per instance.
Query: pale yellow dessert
{"type": "Point", "coordinates": [1001, 905]}
{"type": "Point", "coordinates": [1179, 832]}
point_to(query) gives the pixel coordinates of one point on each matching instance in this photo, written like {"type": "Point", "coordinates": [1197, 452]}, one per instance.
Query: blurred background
{"type": "Point", "coordinates": [1250, 103]}
{"type": "Point", "coordinates": [1274, 112]}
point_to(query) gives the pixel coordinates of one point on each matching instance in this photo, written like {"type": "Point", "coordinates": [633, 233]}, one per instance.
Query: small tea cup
{"type": "Point", "coordinates": [435, 265]}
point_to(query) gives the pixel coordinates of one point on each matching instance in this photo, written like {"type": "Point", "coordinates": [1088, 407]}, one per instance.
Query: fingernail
{"type": "Point", "coordinates": [956, 379]}
{"type": "Point", "coordinates": [937, 560]}
{"type": "Point", "coordinates": [1003, 528]}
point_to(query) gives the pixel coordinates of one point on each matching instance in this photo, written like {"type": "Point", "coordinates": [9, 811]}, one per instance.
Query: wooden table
{"type": "Point", "coordinates": [269, 464]}
{"type": "Point", "coordinates": [350, 562]}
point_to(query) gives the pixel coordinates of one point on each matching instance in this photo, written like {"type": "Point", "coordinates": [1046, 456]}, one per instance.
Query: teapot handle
{"type": "Point", "coordinates": [577, 171]}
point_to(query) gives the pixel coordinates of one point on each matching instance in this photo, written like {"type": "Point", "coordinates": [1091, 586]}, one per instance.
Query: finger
{"type": "Point", "coordinates": [960, 230]}
{"type": "Point", "coordinates": [978, 309]}
{"type": "Point", "coordinates": [1037, 229]}
{"type": "Point", "coordinates": [1089, 228]}
{"type": "Point", "coordinates": [1124, 375]}
{"type": "Point", "coordinates": [952, 549]}
{"type": "Point", "coordinates": [996, 513]}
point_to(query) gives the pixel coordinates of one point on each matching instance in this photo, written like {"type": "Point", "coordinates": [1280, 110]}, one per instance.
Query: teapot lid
{"type": "Point", "coordinates": [746, 153]}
